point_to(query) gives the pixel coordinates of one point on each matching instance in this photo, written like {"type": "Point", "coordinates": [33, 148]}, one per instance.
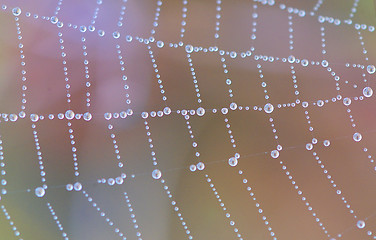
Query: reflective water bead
{"type": "Point", "coordinates": [69, 114]}
{"type": "Point", "coordinates": [347, 101]}
{"type": "Point", "coordinates": [34, 117]}
{"type": "Point", "coordinates": [233, 161]}
{"type": "Point", "coordinates": [87, 116]}
{"type": "Point", "coordinates": [40, 192]}
{"type": "Point", "coordinates": [119, 180]}
{"type": "Point", "coordinates": [156, 174]}
{"type": "Point", "coordinates": [304, 62]}
{"type": "Point", "coordinates": [371, 69]}
{"type": "Point", "coordinates": [160, 44]}
{"type": "Point", "coordinates": [200, 166]}
{"type": "Point", "coordinates": [325, 63]}
{"type": "Point", "coordinates": [167, 110]}
{"type": "Point", "coordinates": [367, 92]}
{"type": "Point", "coordinates": [200, 111]}
{"type": "Point", "coordinates": [116, 34]}
{"type": "Point", "coordinates": [101, 33]}
{"type": "Point", "coordinates": [274, 154]}
{"type": "Point", "coordinates": [189, 48]}
{"type": "Point", "coordinates": [16, 11]}
{"type": "Point", "coordinates": [309, 146]}
{"type": "Point", "coordinates": [77, 186]}
{"type": "Point", "coordinates": [192, 168]}
{"type": "Point", "coordinates": [357, 137]}
{"type": "Point", "coordinates": [361, 224]}
{"type": "Point", "coordinates": [233, 106]}
{"type": "Point", "coordinates": [144, 115]}
{"type": "Point", "coordinates": [268, 108]}
{"type": "Point", "coordinates": [83, 29]}
{"type": "Point", "coordinates": [54, 19]}
{"type": "Point", "coordinates": [224, 111]}
{"type": "Point", "coordinates": [326, 143]}
{"type": "Point", "coordinates": [291, 59]}
{"type": "Point", "coordinates": [107, 116]}
{"type": "Point", "coordinates": [111, 181]}
{"type": "Point", "coordinates": [13, 117]}
{"type": "Point", "coordinates": [69, 187]}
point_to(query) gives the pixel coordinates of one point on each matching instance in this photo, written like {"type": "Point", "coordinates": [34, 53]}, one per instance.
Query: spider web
{"type": "Point", "coordinates": [187, 119]}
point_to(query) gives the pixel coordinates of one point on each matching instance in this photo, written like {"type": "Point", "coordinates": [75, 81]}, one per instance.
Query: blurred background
{"type": "Point", "coordinates": [339, 205]}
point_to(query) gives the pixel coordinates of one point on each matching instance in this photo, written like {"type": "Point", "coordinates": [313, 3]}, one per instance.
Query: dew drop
{"type": "Point", "coordinates": [233, 161]}
{"type": "Point", "coordinates": [268, 108]}
{"type": "Point", "coordinates": [77, 186]}
{"type": "Point", "coordinates": [144, 115]}
{"type": "Point", "coordinates": [274, 154]}
{"type": "Point", "coordinates": [189, 48]}
{"type": "Point", "coordinates": [156, 174]}
{"type": "Point", "coordinates": [69, 187]}
{"type": "Point", "coordinates": [371, 69]}
{"type": "Point", "coordinates": [101, 33]}
{"type": "Point", "coordinates": [54, 19]}
{"type": "Point", "coordinates": [69, 114]}
{"type": "Point", "coordinates": [192, 168]}
{"type": "Point", "coordinates": [160, 44]}
{"type": "Point", "coordinates": [16, 11]}
{"type": "Point", "coordinates": [233, 106]}
{"type": "Point", "coordinates": [39, 192]}
{"type": "Point", "coordinates": [116, 34]}
{"type": "Point", "coordinates": [367, 92]}
{"type": "Point", "coordinates": [13, 117]}
{"type": "Point", "coordinates": [167, 110]}
{"type": "Point", "coordinates": [87, 116]}
{"type": "Point", "coordinates": [107, 116]}
{"type": "Point", "coordinates": [200, 166]}
{"type": "Point", "coordinates": [304, 62]}
{"type": "Point", "coordinates": [347, 101]}
{"type": "Point", "coordinates": [357, 137]}
{"type": "Point", "coordinates": [34, 117]}
{"type": "Point", "coordinates": [309, 146]}
{"type": "Point", "coordinates": [83, 29]}
{"type": "Point", "coordinates": [326, 143]}
{"type": "Point", "coordinates": [360, 224]}
{"type": "Point", "coordinates": [200, 111]}
{"type": "Point", "coordinates": [291, 59]}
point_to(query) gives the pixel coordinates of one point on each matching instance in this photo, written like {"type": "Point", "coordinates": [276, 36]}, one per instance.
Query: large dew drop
{"type": "Point", "coordinates": [367, 92]}
{"type": "Point", "coordinates": [87, 116]}
{"type": "Point", "coordinates": [371, 69]}
{"type": "Point", "coordinates": [156, 174]}
{"type": "Point", "coordinates": [357, 137]}
{"type": "Point", "coordinates": [268, 108]}
{"type": "Point", "coordinates": [189, 48]}
{"type": "Point", "coordinates": [39, 192]}
{"type": "Point", "coordinates": [360, 224]}
{"type": "Point", "coordinates": [274, 154]}
{"type": "Point", "coordinates": [69, 114]}
{"type": "Point", "coordinates": [200, 111]}
{"type": "Point", "coordinates": [16, 11]}
{"type": "Point", "coordinates": [233, 161]}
